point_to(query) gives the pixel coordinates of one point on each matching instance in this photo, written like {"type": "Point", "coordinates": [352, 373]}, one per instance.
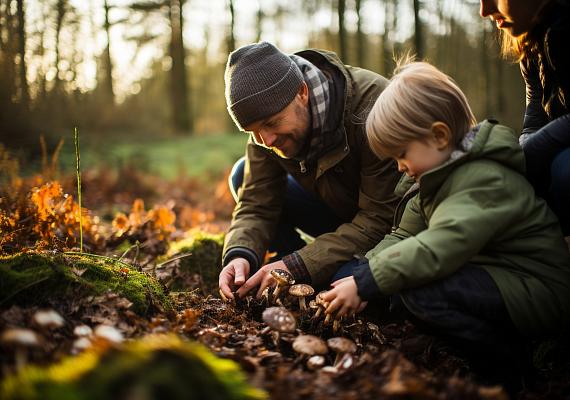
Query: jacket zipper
{"type": "Point", "coordinates": [302, 166]}
{"type": "Point", "coordinates": [402, 204]}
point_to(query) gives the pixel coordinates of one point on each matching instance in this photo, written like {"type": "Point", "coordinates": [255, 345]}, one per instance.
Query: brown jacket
{"type": "Point", "coordinates": [350, 179]}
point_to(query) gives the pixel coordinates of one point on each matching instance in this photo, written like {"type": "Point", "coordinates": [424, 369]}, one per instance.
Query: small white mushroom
{"type": "Point", "coordinates": [48, 319]}
{"type": "Point", "coordinates": [21, 340]}
{"type": "Point", "coordinates": [82, 331]}
{"type": "Point", "coordinates": [321, 303]}
{"type": "Point", "coordinates": [315, 362]}
{"type": "Point", "coordinates": [301, 291]}
{"type": "Point", "coordinates": [80, 345]}
{"type": "Point", "coordinates": [109, 333]}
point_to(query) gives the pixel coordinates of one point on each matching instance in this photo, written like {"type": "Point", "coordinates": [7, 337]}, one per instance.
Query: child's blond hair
{"type": "Point", "coordinates": [417, 96]}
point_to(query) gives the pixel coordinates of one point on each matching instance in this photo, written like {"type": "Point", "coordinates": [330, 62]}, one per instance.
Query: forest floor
{"type": "Point", "coordinates": [394, 359]}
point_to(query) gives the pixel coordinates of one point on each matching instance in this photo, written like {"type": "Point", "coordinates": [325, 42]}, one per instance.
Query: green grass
{"type": "Point", "coordinates": [193, 156]}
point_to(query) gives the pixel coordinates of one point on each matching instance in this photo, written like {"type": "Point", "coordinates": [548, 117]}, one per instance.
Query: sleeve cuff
{"type": "Point", "coordinates": [367, 287]}
{"type": "Point", "coordinates": [242, 252]}
{"type": "Point", "coordinates": [297, 267]}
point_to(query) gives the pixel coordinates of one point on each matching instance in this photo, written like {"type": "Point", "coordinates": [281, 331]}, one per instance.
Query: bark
{"type": "Point", "coordinates": [182, 119]}
{"type": "Point", "coordinates": [385, 53]}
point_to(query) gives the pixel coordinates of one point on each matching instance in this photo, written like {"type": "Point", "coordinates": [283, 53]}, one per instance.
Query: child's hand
{"type": "Point", "coordinates": [343, 298]}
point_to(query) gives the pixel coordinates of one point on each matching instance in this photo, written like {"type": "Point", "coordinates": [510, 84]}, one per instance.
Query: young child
{"type": "Point", "coordinates": [475, 254]}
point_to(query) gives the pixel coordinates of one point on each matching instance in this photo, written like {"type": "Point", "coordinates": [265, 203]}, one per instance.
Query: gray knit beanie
{"type": "Point", "coordinates": [260, 82]}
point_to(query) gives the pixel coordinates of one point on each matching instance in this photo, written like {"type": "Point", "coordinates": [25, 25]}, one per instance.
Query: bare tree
{"type": "Point", "coordinates": [341, 8]}
{"type": "Point", "coordinates": [360, 37]}
{"type": "Point", "coordinates": [22, 71]}
{"type": "Point", "coordinates": [108, 62]}
{"type": "Point", "coordinates": [259, 16]}
{"type": "Point", "coordinates": [418, 34]}
{"type": "Point", "coordinates": [61, 10]}
{"type": "Point", "coordinates": [231, 33]}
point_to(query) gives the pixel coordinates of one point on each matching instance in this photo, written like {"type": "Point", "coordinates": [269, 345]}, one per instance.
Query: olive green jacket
{"type": "Point", "coordinates": [350, 179]}
{"type": "Point", "coordinates": [479, 209]}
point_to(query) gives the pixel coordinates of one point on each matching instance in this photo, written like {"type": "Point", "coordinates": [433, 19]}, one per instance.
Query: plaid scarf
{"type": "Point", "coordinates": [321, 141]}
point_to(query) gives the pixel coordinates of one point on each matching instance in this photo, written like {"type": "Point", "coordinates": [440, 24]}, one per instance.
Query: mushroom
{"type": "Point", "coordinates": [283, 278]}
{"type": "Point", "coordinates": [321, 303]}
{"type": "Point", "coordinates": [336, 323]}
{"type": "Point", "coordinates": [301, 291]}
{"type": "Point", "coordinates": [341, 346]}
{"type": "Point", "coordinates": [108, 333]}
{"type": "Point", "coordinates": [315, 362]}
{"type": "Point", "coordinates": [279, 320]}
{"type": "Point", "coordinates": [82, 331]}
{"type": "Point", "coordinates": [80, 345]}
{"type": "Point", "coordinates": [21, 340]}
{"type": "Point", "coordinates": [48, 319]}
{"type": "Point", "coordinates": [310, 345]}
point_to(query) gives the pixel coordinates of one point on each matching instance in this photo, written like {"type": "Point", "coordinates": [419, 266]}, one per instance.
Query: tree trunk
{"type": "Point", "coordinates": [181, 114]}
{"type": "Point", "coordinates": [108, 67]}
{"type": "Point", "coordinates": [22, 71]}
{"type": "Point", "coordinates": [360, 38]}
{"type": "Point", "coordinates": [385, 53]}
{"type": "Point", "coordinates": [342, 31]}
{"type": "Point", "coordinates": [231, 33]}
{"type": "Point", "coordinates": [259, 21]}
{"type": "Point", "coordinates": [61, 9]}
{"type": "Point", "coordinates": [418, 35]}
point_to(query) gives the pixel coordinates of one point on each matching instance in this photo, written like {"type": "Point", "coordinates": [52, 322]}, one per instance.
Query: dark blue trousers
{"type": "Point", "coordinates": [301, 210]}
{"type": "Point", "coordinates": [466, 305]}
{"type": "Point", "coordinates": [547, 154]}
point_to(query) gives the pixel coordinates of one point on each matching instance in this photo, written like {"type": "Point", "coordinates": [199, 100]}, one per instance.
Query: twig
{"type": "Point", "coordinates": [173, 259]}
{"type": "Point", "coordinates": [78, 163]}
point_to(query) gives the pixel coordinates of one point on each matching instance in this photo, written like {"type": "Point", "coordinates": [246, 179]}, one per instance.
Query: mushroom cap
{"type": "Point", "coordinates": [310, 345]}
{"type": "Point", "coordinates": [301, 290]}
{"type": "Point", "coordinates": [109, 333]}
{"type": "Point", "coordinates": [82, 331]}
{"type": "Point", "coordinates": [20, 337]}
{"type": "Point", "coordinates": [341, 345]}
{"type": "Point", "coordinates": [282, 277]}
{"type": "Point", "coordinates": [48, 319]}
{"type": "Point", "coordinates": [313, 304]}
{"type": "Point", "coordinates": [279, 319]}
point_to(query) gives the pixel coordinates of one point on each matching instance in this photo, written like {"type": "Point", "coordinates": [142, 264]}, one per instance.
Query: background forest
{"type": "Point", "coordinates": [133, 70]}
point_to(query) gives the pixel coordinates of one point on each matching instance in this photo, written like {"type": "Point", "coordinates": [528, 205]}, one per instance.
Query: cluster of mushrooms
{"type": "Point", "coordinates": [25, 341]}
{"type": "Point", "coordinates": [280, 321]}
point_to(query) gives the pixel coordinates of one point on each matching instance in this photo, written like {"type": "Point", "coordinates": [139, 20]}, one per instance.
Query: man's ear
{"type": "Point", "coordinates": [442, 134]}
{"type": "Point", "coordinates": [304, 93]}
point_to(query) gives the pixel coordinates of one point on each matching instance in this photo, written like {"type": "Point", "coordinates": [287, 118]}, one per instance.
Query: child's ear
{"type": "Point", "coordinates": [442, 134]}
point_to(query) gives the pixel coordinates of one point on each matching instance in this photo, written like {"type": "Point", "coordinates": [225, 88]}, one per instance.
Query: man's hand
{"type": "Point", "coordinates": [233, 276]}
{"type": "Point", "coordinates": [261, 278]}
{"type": "Point", "coordinates": [344, 298]}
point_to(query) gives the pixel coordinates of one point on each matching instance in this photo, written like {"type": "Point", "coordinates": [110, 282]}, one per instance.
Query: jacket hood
{"type": "Point", "coordinates": [489, 141]}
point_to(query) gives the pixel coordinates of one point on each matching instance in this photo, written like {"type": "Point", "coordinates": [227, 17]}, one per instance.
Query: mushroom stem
{"type": "Point", "coordinates": [20, 358]}
{"type": "Point", "coordinates": [276, 292]}
{"type": "Point", "coordinates": [302, 304]}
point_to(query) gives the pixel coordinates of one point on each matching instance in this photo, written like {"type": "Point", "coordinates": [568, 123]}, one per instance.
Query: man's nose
{"type": "Point", "coordinates": [486, 8]}
{"type": "Point", "coordinates": [268, 138]}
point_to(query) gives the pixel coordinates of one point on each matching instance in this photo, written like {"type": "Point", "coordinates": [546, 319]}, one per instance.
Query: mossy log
{"type": "Point", "coordinates": [204, 258]}
{"type": "Point", "coordinates": [33, 278]}
{"type": "Point", "coordinates": [156, 367]}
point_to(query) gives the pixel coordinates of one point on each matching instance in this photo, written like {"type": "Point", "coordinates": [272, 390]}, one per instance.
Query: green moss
{"type": "Point", "coordinates": [205, 259]}
{"type": "Point", "coordinates": [159, 366]}
{"type": "Point", "coordinates": [33, 278]}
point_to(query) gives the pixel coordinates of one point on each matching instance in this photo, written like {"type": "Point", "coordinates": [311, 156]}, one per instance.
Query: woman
{"type": "Point", "coordinates": [537, 34]}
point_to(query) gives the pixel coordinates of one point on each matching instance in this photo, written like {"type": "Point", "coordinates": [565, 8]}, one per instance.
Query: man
{"type": "Point", "coordinates": [307, 165]}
